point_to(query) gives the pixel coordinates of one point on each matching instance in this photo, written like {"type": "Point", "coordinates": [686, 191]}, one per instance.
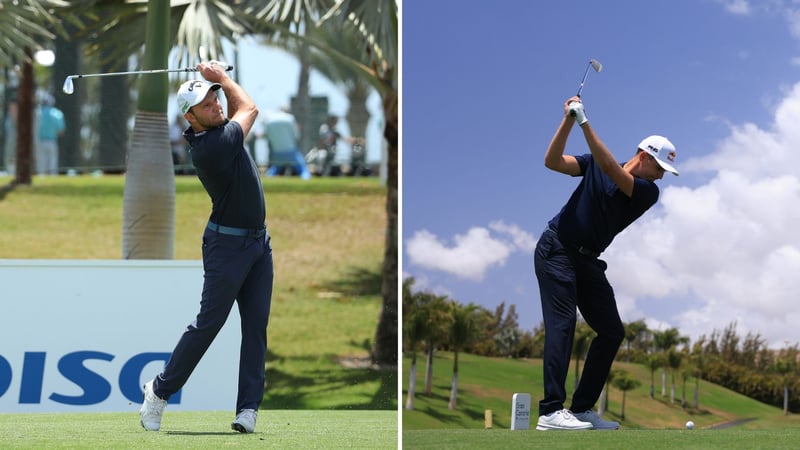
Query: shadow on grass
{"type": "Point", "coordinates": [328, 382]}
{"type": "Point", "coordinates": [201, 433]}
{"type": "Point", "coordinates": [357, 282]}
{"type": "Point", "coordinates": [5, 190]}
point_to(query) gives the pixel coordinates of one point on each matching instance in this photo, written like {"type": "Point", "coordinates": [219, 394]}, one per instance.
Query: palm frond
{"type": "Point", "coordinates": [25, 24]}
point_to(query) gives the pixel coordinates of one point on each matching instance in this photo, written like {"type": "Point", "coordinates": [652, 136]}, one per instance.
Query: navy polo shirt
{"type": "Point", "coordinates": [229, 175]}
{"type": "Point", "coordinates": [597, 210]}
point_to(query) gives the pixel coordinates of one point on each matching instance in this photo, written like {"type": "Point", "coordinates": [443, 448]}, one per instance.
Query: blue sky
{"type": "Point", "coordinates": [483, 84]}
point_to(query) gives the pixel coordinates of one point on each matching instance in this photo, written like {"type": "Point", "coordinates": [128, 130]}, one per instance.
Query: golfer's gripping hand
{"type": "Point", "coordinates": [574, 107]}
{"type": "Point", "coordinates": [213, 71]}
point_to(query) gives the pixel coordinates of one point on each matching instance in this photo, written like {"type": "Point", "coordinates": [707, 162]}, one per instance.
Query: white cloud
{"type": "Point", "coordinates": [472, 254]}
{"type": "Point", "coordinates": [737, 7]}
{"type": "Point", "coordinates": [731, 246]}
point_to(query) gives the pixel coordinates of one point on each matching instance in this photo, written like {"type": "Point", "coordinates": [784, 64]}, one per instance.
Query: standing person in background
{"type": "Point", "coordinates": [282, 135]}
{"type": "Point", "coordinates": [329, 138]}
{"type": "Point", "coordinates": [571, 276]}
{"type": "Point", "coordinates": [51, 127]}
{"type": "Point", "coordinates": [237, 254]}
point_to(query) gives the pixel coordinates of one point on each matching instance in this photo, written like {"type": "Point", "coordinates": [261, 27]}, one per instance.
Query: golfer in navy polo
{"type": "Point", "coordinates": [237, 256]}
{"type": "Point", "coordinates": [609, 197]}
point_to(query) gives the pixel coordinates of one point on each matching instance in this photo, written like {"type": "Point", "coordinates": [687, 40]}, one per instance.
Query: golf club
{"type": "Point", "coordinates": [69, 88]}
{"type": "Point", "coordinates": [594, 64]}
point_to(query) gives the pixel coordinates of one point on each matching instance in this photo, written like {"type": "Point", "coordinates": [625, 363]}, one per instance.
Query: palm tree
{"type": "Point", "coordinates": [664, 341]}
{"type": "Point", "coordinates": [625, 382]}
{"type": "Point", "coordinates": [633, 332]}
{"type": "Point", "coordinates": [786, 367]}
{"type": "Point", "coordinates": [674, 359]}
{"type": "Point", "coordinates": [436, 330]}
{"type": "Point", "coordinates": [654, 361]}
{"type": "Point", "coordinates": [462, 332]}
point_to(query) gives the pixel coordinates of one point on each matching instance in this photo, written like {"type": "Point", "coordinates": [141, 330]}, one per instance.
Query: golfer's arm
{"type": "Point", "coordinates": [608, 164]}
{"type": "Point", "coordinates": [554, 158]}
{"type": "Point", "coordinates": [241, 108]}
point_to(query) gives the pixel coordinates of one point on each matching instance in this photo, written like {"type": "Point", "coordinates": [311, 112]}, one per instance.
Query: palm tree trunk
{"type": "Point", "coordinates": [454, 386]}
{"type": "Point", "coordinates": [622, 416]}
{"type": "Point", "coordinates": [357, 114]}
{"type": "Point", "coordinates": [148, 217]}
{"type": "Point", "coordinates": [663, 381]}
{"type": "Point", "coordinates": [25, 121]}
{"type": "Point", "coordinates": [785, 399]}
{"type": "Point", "coordinates": [652, 383]}
{"type": "Point", "coordinates": [697, 393]}
{"type": "Point", "coordinates": [412, 382]}
{"type": "Point", "coordinates": [385, 351]}
{"type": "Point", "coordinates": [603, 403]}
{"type": "Point", "coordinates": [429, 371]}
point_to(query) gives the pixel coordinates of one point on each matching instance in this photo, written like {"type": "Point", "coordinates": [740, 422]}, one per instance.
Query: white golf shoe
{"type": "Point", "coordinates": [597, 422]}
{"type": "Point", "coordinates": [245, 421]}
{"type": "Point", "coordinates": [561, 420]}
{"type": "Point", "coordinates": [152, 409]}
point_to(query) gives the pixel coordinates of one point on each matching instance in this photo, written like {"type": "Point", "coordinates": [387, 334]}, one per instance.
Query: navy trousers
{"type": "Point", "coordinates": [235, 269]}
{"type": "Point", "coordinates": [568, 281]}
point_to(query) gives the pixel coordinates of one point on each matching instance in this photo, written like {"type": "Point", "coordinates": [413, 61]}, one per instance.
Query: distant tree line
{"type": "Point", "coordinates": [746, 365]}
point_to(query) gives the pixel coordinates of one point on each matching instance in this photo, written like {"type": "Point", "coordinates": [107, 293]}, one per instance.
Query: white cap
{"type": "Point", "coordinates": [662, 150]}
{"type": "Point", "coordinates": [193, 92]}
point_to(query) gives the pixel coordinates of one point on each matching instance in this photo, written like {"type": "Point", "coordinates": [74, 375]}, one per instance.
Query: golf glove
{"type": "Point", "coordinates": [576, 111]}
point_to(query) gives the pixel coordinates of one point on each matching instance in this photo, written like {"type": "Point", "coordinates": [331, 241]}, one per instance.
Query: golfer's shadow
{"type": "Point", "coordinates": [203, 433]}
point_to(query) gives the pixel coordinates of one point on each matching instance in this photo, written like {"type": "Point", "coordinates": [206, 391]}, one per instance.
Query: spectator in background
{"type": "Point", "coordinates": [329, 138]}
{"type": "Point", "coordinates": [51, 126]}
{"type": "Point", "coordinates": [281, 132]}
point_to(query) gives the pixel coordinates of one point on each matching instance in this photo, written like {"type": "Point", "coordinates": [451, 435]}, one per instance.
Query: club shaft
{"type": "Point", "coordinates": [585, 74]}
{"type": "Point", "coordinates": [138, 72]}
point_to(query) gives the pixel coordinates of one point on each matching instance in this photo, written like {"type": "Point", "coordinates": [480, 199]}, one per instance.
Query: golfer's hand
{"type": "Point", "coordinates": [213, 71]}
{"type": "Point", "coordinates": [574, 107]}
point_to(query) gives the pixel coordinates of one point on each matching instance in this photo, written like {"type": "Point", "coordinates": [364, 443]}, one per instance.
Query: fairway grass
{"type": "Point", "coordinates": [284, 429]}
{"type": "Point", "coordinates": [730, 439]}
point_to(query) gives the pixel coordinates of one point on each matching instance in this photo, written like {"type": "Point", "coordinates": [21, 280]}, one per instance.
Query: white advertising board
{"type": "Point", "coordinates": [85, 335]}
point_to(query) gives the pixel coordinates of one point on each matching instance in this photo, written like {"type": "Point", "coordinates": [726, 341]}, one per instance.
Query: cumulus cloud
{"type": "Point", "coordinates": [472, 254]}
{"type": "Point", "coordinates": [731, 245]}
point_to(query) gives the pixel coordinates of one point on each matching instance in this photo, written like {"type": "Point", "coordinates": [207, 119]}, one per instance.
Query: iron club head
{"type": "Point", "coordinates": [68, 87]}
{"type": "Point", "coordinates": [594, 64]}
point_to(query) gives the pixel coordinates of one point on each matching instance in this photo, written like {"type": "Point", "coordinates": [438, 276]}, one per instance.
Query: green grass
{"type": "Point", "coordinates": [201, 430]}
{"type": "Point", "coordinates": [489, 384]}
{"type": "Point", "coordinates": [730, 439]}
{"type": "Point", "coordinates": [327, 238]}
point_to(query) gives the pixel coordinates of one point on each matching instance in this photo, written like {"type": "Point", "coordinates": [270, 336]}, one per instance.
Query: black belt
{"type": "Point", "coordinates": [587, 252]}
{"type": "Point", "coordinates": [255, 233]}
{"type": "Point", "coordinates": [581, 249]}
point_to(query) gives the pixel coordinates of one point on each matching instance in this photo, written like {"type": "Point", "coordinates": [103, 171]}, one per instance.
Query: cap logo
{"type": "Point", "coordinates": [194, 85]}
{"type": "Point", "coordinates": [671, 157]}
{"type": "Point", "coordinates": [653, 148]}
